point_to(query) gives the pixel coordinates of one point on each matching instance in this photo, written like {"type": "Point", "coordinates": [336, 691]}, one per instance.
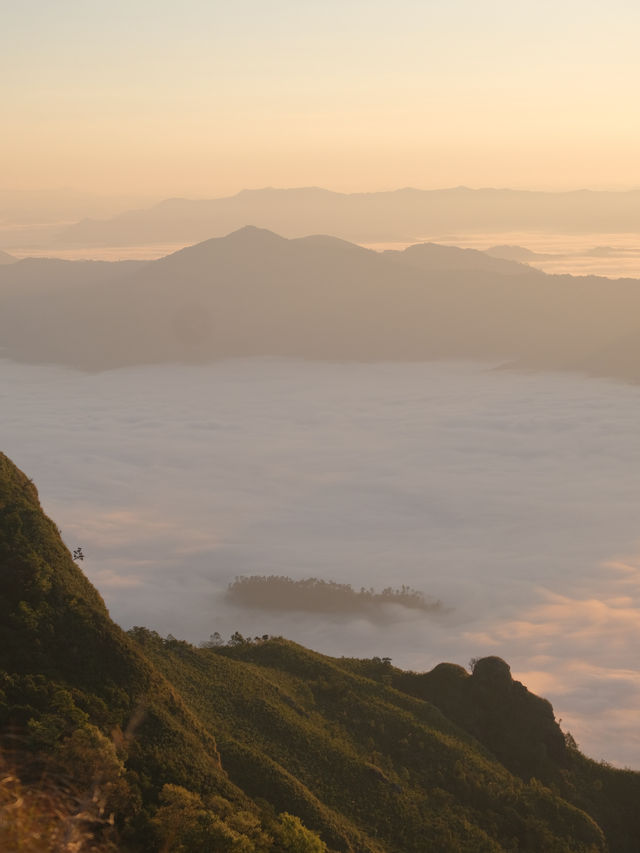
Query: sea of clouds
{"type": "Point", "coordinates": [514, 498]}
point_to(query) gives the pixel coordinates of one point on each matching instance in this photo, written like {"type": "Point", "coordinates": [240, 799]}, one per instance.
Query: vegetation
{"type": "Point", "coordinates": [277, 592]}
{"type": "Point", "coordinates": [50, 817]}
{"type": "Point", "coordinates": [136, 742]}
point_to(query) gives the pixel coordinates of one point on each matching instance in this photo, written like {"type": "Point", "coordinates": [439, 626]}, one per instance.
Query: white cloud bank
{"type": "Point", "coordinates": [513, 498]}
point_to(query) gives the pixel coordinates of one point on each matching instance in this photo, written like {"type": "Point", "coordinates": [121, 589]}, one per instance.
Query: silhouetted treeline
{"type": "Point", "coordinates": [277, 592]}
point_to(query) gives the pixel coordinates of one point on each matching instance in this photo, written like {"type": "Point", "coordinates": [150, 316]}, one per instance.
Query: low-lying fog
{"type": "Point", "coordinates": [513, 498]}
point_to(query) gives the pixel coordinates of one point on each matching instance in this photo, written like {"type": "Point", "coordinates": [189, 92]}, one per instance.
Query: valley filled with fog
{"type": "Point", "coordinates": [513, 498]}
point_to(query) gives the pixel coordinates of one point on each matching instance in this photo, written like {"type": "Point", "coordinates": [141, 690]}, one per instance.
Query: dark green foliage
{"type": "Point", "coordinates": [520, 730]}
{"type": "Point", "coordinates": [65, 666]}
{"type": "Point", "coordinates": [390, 763]}
{"type": "Point", "coordinates": [230, 747]}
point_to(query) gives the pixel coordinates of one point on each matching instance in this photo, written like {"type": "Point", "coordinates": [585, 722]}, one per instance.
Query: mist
{"type": "Point", "coordinates": [511, 498]}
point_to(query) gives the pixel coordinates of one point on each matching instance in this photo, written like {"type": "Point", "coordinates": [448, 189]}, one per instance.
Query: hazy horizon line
{"type": "Point", "coordinates": [170, 194]}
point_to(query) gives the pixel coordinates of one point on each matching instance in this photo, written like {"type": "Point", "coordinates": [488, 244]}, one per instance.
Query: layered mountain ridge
{"type": "Point", "coordinates": [402, 215]}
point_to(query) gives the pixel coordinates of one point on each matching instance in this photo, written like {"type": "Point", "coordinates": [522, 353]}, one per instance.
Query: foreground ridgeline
{"type": "Point", "coordinates": [131, 741]}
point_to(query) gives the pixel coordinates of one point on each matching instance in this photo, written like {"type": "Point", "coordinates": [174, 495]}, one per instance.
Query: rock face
{"type": "Point", "coordinates": [492, 670]}
{"type": "Point", "coordinates": [517, 726]}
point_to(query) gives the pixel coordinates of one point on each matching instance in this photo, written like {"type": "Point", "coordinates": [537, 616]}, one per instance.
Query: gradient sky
{"type": "Point", "coordinates": [205, 98]}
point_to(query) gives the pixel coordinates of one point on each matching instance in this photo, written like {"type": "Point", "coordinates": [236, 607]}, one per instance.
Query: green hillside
{"type": "Point", "coordinates": [262, 745]}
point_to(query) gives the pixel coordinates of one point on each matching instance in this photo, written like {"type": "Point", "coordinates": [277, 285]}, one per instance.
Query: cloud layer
{"type": "Point", "coordinates": [512, 498]}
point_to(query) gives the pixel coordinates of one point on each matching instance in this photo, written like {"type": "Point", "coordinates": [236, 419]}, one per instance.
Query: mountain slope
{"type": "Point", "coordinates": [431, 257]}
{"type": "Point", "coordinates": [620, 358]}
{"type": "Point", "coordinates": [393, 764]}
{"type": "Point", "coordinates": [214, 743]}
{"type": "Point", "coordinates": [64, 665]}
{"type": "Point", "coordinates": [519, 728]}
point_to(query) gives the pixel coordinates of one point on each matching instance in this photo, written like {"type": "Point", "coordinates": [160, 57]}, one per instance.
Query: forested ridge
{"type": "Point", "coordinates": [135, 742]}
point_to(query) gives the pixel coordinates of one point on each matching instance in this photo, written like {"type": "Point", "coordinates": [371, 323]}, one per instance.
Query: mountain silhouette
{"type": "Point", "coordinates": [519, 253]}
{"type": "Point", "coordinates": [403, 215]}
{"type": "Point", "coordinates": [254, 293]}
{"type": "Point", "coordinates": [430, 257]}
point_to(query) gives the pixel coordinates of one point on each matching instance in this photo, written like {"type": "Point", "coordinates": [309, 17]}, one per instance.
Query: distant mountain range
{"type": "Point", "coordinates": [254, 293]}
{"type": "Point", "coordinates": [30, 207]}
{"type": "Point", "coordinates": [131, 741]}
{"type": "Point", "coordinates": [519, 253]}
{"type": "Point", "coordinates": [405, 215]}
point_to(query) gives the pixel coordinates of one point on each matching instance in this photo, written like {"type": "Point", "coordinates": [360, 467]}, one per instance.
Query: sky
{"type": "Point", "coordinates": [205, 98]}
{"type": "Point", "coordinates": [512, 498]}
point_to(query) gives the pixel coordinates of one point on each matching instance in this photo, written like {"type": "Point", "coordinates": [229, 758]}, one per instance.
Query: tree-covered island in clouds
{"type": "Point", "coordinates": [314, 595]}
{"type": "Point", "coordinates": [254, 293]}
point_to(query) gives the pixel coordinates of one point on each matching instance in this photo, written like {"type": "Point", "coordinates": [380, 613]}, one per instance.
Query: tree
{"type": "Point", "coordinates": [294, 837]}
{"type": "Point", "coordinates": [214, 641]}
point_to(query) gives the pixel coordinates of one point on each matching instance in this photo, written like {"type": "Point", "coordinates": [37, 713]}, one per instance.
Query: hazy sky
{"type": "Point", "coordinates": [203, 97]}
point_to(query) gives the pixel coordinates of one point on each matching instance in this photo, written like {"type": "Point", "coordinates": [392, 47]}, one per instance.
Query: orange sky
{"type": "Point", "coordinates": [203, 98]}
